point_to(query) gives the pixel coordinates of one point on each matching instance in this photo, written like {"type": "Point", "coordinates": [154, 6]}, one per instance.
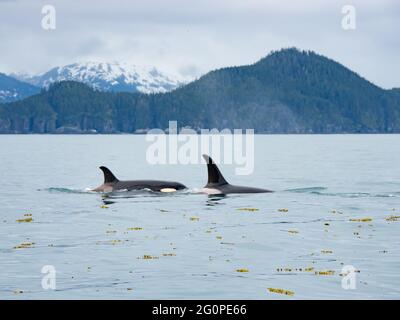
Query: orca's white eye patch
{"type": "Point", "coordinates": [168, 190]}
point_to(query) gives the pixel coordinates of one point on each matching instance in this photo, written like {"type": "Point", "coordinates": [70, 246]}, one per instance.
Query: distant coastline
{"type": "Point", "coordinates": [287, 92]}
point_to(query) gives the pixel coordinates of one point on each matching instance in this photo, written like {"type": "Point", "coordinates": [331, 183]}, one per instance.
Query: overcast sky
{"type": "Point", "coordinates": [191, 37]}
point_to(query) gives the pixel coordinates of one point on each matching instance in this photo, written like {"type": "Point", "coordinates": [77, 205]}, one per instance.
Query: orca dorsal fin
{"type": "Point", "coordinates": [108, 175]}
{"type": "Point", "coordinates": [215, 176]}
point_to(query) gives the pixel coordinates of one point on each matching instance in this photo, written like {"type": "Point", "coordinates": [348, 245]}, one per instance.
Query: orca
{"type": "Point", "coordinates": [111, 183]}
{"type": "Point", "coordinates": [217, 184]}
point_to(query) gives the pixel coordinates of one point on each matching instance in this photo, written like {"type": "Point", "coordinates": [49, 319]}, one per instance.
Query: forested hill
{"type": "Point", "coordinates": [289, 91]}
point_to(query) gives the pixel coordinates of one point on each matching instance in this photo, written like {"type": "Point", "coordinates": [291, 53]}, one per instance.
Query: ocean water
{"type": "Point", "coordinates": [335, 204]}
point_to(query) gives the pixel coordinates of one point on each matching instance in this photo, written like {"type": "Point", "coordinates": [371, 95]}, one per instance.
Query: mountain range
{"type": "Point", "coordinates": [12, 89]}
{"type": "Point", "coordinates": [288, 91]}
{"type": "Point", "coordinates": [108, 76]}
{"type": "Point", "coordinates": [104, 76]}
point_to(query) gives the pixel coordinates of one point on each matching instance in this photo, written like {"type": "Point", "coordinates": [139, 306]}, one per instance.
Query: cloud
{"type": "Point", "coordinates": [193, 37]}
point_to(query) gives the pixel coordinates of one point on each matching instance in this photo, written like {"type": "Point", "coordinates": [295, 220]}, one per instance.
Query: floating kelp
{"type": "Point", "coordinates": [281, 291]}
{"type": "Point", "coordinates": [347, 273]}
{"type": "Point", "coordinates": [242, 270]}
{"type": "Point", "coordinates": [135, 229]}
{"type": "Point", "coordinates": [114, 242]}
{"type": "Point", "coordinates": [393, 218]}
{"type": "Point", "coordinates": [219, 237]}
{"type": "Point", "coordinates": [307, 269]}
{"type": "Point", "coordinates": [293, 231]}
{"type": "Point", "coordinates": [28, 219]}
{"type": "Point", "coordinates": [25, 245]}
{"type": "Point", "coordinates": [103, 206]}
{"type": "Point", "coordinates": [361, 220]}
{"type": "Point", "coordinates": [326, 251]}
{"type": "Point", "coordinates": [148, 257]}
{"type": "Point", "coordinates": [283, 210]}
{"type": "Point", "coordinates": [194, 218]}
{"type": "Point", "coordinates": [168, 254]}
{"type": "Point", "coordinates": [325, 273]}
{"type": "Point", "coordinates": [228, 243]}
{"type": "Point", "coordinates": [285, 269]}
{"type": "Point", "coordinates": [248, 209]}
{"type": "Point", "coordinates": [18, 291]}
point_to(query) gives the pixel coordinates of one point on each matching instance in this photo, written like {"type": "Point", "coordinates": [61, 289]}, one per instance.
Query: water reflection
{"type": "Point", "coordinates": [215, 199]}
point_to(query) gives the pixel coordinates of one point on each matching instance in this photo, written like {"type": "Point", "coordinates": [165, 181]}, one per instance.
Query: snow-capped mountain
{"type": "Point", "coordinates": [12, 89]}
{"type": "Point", "coordinates": [107, 76]}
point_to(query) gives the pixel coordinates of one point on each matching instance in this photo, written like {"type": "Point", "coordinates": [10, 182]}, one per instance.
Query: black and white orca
{"type": "Point", "coordinates": [217, 184]}
{"type": "Point", "coordinates": [111, 183]}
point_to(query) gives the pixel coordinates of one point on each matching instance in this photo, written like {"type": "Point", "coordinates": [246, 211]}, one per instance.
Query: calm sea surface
{"type": "Point", "coordinates": [336, 202]}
